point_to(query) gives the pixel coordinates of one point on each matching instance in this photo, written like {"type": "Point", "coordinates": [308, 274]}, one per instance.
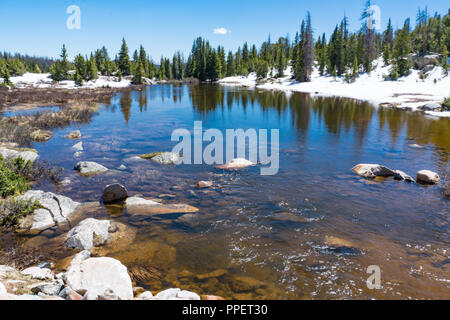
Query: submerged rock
{"type": "Point", "coordinates": [400, 175]}
{"type": "Point", "coordinates": [90, 168]}
{"type": "Point", "coordinates": [56, 209]}
{"type": "Point", "coordinates": [341, 246]}
{"type": "Point", "coordinates": [74, 135]}
{"type": "Point", "coordinates": [88, 234]}
{"type": "Point", "coordinates": [95, 276]}
{"type": "Point", "coordinates": [137, 201]}
{"type": "Point", "coordinates": [236, 164]}
{"type": "Point", "coordinates": [372, 171]}
{"type": "Point", "coordinates": [163, 157]}
{"type": "Point", "coordinates": [26, 154]}
{"type": "Point", "coordinates": [428, 177]}
{"type": "Point", "coordinates": [114, 192]}
{"type": "Point", "coordinates": [41, 135]}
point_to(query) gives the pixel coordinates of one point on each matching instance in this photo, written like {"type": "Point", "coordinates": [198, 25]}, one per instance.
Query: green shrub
{"type": "Point", "coordinates": [11, 180]}
{"type": "Point", "coordinates": [13, 210]}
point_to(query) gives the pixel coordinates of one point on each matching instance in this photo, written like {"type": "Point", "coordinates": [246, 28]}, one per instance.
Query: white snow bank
{"type": "Point", "coordinates": [43, 80]}
{"type": "Point", "coordinates": [407, 93]}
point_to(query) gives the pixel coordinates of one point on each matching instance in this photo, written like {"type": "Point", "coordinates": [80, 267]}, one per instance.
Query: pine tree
{"type": "Point", "coordinates": [230, 65]}
{"type": "Point", "coordinates": [124, 59]}
{"type": "Point", "coordinates": [355, 69]}
{"type": "Point", "coordinates": [138, 77]}
{"type": "Point", "coordinates": [402, 49]}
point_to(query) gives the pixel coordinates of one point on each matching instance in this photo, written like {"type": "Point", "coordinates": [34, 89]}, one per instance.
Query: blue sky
{"type": "Point", "coordinates": [163, 27]}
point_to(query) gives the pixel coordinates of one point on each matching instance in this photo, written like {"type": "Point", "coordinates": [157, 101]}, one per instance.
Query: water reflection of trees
{"type": "Point", "coordinates": [338, 115]}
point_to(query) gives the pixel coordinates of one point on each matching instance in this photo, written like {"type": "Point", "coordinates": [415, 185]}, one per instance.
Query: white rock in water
{"type": "Point", "coordinates": [114, 192]}
{"type": "Point", "coordinates": [136, 201]}
{"type": "Point", "coordinates": [90, 168]}
{"type": "Point", "coordinates": [9, 154]}
{"type": "Point", "coordinates": [428, 177]}
{"type": "Point", "coordinates": [400, 175]}
{"type": "Point", "coordinates": [236, 164]}
{"type": "Point", "coordinates": [372, 170]}
{"type": "Point", "coordinates": [74, 135]}
{"type": "Point", "coordinates": [38, 273]}
{"type": "Point", "coordinates": [88, 234]}
{"type": "Point", "coordinates": [163, 157]}
{"type": "Point", "coordinates": [177, 294]}
{"type": "Point", "coordinates": [78, 146]}
{"type": "Point", "coordinates": [97, 275]}
{"type": "Point", "coordinates": [56, 209]}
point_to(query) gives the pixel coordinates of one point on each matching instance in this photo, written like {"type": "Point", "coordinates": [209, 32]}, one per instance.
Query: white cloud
{"type": "Point", "coordinates": [222, 31]}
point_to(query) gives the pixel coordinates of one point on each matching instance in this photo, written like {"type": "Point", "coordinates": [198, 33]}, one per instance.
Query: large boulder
{"type": "Point", "coordinates": [98, 276]}
{"type": "Point", "coordinates": [114, 192]}
{"type": "Point", "coordinates": [428, 177]}
{"type": "Point", "coordinates": [38, 273]}
{"type": "Point", "coordinates": [56, 209]}
{"type": "Point", "coordinates": [421, 61]}
{"type": "Point", "coordinates": [89, 168]}
{"type": "Point", "coordinates": [163, 157]}
{"type": "Point", "coordinates": [88, 233]}
{"type": "Point", "coordinates": [371, 171]}
{"type": "Point", "coordinates": [236, 164]}
{"type": "Point", "coordinates": [27, 155]}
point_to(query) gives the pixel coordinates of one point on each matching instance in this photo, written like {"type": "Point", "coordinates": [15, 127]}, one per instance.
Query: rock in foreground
{"type": "Point", "coordinates": [428, 177]}
{"type": "Point", "coordinates": [400, 175]}
{"type": "Point", "coordinates": [372, 171]}
{"type": "Point", "coordinates": [90, 168]}
{"type": "Point", "coordinates": [97, 277]}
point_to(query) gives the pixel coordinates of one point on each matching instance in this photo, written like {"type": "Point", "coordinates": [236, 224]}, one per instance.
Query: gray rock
{"type": "Point", "coordinates": [90, 168]}
{"type": "Point", "coordinates": [122, 167]}
{"type": "Point", "coordinates": [97, 275]}
{"type": "Point", "coordinates": [147, 295]}
{"type": "Point", "coordinates": [371, 171]}
{"type": "Point", "coordinates": [114, 192]}
{"type": "Point", "coordinates": [163, 157]}
{"type": "Point", "coordinates": [9, 154]}
{"type": "Point", "coordinates": [430, 107]}
{"type": "Point", "coordinates": [49, 289]}
{"type": "Point", "coordinates": [400, 175]}
{"type": "Point", "coordinates": [421, 61]}
{"type": "Point", "coordinates": [38, 273]}
{"type": "Point", "coordinates": [428, 177]}
{"type": "Point", "coordinates": [56, 209]}
{"type": "Point", "coordinates": [137, 201]}
{"type": "Point", "coordinates": [88, 233]}
{"type": "Point", "coordinates": [101, 294]}
{"type": "Point", "coordinates": [236, 164]}
{"type": "Point", "coordinates": [177, 294]}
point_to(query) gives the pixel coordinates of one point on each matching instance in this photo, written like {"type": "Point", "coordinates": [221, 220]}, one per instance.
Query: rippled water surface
{"type": "Point", "coordinates": [264, 237]}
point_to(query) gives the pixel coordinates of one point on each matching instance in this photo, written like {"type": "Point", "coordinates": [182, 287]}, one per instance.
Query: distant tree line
{"type": "Point", "coordinates": [345, 53]}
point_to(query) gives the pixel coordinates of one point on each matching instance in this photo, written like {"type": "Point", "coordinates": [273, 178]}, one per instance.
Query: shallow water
{"type": "Point", "coordinates": [263, 237]}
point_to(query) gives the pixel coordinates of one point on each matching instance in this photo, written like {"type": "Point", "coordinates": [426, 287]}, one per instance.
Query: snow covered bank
{"type": "Point", "coordinates": [43, 80]}
{"type": "Point", "coordinates": [409, 93]}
